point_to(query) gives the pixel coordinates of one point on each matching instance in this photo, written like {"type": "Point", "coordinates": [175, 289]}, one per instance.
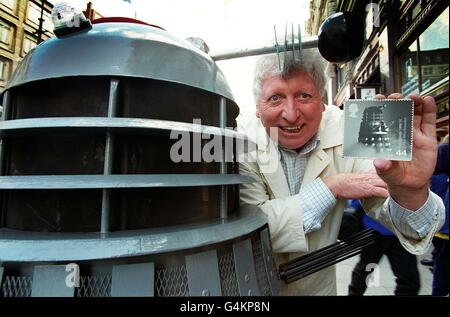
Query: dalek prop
{"type": "Point", "coordinates": [373, 131]}
{"type": "Point", "coordinates": [92, 205]}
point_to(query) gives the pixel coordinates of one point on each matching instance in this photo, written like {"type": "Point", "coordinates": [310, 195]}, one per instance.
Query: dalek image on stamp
{"type": "Point", "coordinates": [373, 130]}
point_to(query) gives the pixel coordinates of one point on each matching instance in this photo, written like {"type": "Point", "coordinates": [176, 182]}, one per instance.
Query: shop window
{"type": "Point", "coordinates": [429, 54]}
{"type": "Point", "coordinates": [433, 43]}
{"type": "Point", "coordinates": [442, 106]}
{"type": "Point", "coordinates": [427, 70]}
{"type": "Point", "coordinates": [410, 78]}
{"type": "Point", "coordinates": [415, 11]}
{"type": "Point", "coordinates": [341, 76]}
{"type": "Point", "coordinates": [443, 70]}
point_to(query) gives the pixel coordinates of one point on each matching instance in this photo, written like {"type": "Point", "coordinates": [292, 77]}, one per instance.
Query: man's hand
{"type": "Point", "coordinates": [356, 185]}
{"type": "Point", "coordinates": [408, 181]}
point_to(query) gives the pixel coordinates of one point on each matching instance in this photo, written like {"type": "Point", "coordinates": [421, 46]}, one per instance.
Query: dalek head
{"type": "Point", "coordinates": [95, 183]}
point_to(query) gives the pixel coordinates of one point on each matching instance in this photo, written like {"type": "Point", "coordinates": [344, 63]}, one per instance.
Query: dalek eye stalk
{"type": "Point", "coordinates": [92, 203]}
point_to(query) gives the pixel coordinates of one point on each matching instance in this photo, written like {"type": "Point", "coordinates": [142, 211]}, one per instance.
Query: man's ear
{"type": "Point", "coordinates": [323, 107]}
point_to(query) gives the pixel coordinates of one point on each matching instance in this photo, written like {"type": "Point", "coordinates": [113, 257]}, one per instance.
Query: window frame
{"type": "Point", "coordinates": [47, 24]}
{"type": "Point", "coordinates": [5, 24]}
{"type": "Point", "coordinates": [420, 57]}
{"type": "Point", "coordinates": [11, 8]}
{"type": "Point", "coordinates": [5, 69]}
{"type": "Point", "coordinates": [32, 39]}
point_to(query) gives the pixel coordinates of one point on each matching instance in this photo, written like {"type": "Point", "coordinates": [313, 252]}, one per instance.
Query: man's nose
{"type": "Point", "coordinates": [290, 111]}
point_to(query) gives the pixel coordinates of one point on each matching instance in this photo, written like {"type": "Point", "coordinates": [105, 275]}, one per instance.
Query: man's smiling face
{"type": "Point", "coordinates": [293, 105]}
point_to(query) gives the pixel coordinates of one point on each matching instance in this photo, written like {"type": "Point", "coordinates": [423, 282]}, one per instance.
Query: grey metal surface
{"type": "Point", "coordinates": [120, 181]}
{"type": "Point", "coordinates": [109, 150]}
{"type": "Point", "coordinates": [105, 214]}
{"type": "Point", "coordinates": [5, 114]}
{"type": "Point", "coordinates": [22, 125]}
{"type": "Point", "coordinates": [122, 49]}
{"type": "Point", "coordinates": [203, 274]}
{"type": "Point", "coordinates": [269, 262]}
{"type": "Point", "coordinates": [33, 247]}
{"type": "Point", "coordinates": [50, 281]}
{"type": "Point", "coordinates": [133, 280]}
{"type": "Point", "coordinates": [245, 268]}
{"type": "Point", "coordinates": [238, 53]}
{"type": "Point", "coordinates": [223, 164]}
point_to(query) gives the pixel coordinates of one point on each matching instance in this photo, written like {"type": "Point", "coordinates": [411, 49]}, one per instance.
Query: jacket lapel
{"type": "Point", "coordinates": [330, 135]}
{"type": "Point", "coordinates": [274, 176]}
{"type": "Point", "coordinates": [318, 161]}
{"type": "Point", "coordinates": [277, 181]}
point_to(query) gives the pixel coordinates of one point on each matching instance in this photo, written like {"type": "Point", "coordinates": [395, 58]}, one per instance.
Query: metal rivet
{"type": "Point", "coordinates": [268, 258]}
{"type": "Point", "coordinates": [249, 292]}
{"type": "Point", "coordinates": [246, 278]}
{"type": "Point", "coordinates": [205, 292]}
{"type": "Point", "coordinates": [271, 273]}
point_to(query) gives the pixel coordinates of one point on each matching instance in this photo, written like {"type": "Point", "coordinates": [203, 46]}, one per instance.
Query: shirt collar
{"type": "Point", "coordinates": [310, 146]}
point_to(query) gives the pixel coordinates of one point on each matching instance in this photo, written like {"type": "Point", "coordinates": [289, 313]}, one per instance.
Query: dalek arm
{"type": "Point", "coordinates": [320, 259]}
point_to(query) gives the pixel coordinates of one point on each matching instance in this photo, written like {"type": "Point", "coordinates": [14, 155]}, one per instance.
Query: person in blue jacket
{"type": "Point", "coordinates": [403, 263]}
{"type": "Point", "coordinates": [439, 185]}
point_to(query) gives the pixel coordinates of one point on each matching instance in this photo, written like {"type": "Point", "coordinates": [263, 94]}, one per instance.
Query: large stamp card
{"type": "Point", "coordinates": [378, 129]}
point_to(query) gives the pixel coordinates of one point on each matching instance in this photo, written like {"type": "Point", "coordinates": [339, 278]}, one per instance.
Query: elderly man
{"type": "Point", "coordinates": [303, 194]}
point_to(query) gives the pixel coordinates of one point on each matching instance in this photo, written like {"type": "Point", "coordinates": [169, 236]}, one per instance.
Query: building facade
{"type": "Point", "coordinates": [406, 50]}
{"type": "Point", "coordinates": [20, 31]}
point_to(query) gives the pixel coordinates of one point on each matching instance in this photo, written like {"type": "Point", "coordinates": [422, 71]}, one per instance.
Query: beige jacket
{"type": "Point", "coordinates": [284, 212]}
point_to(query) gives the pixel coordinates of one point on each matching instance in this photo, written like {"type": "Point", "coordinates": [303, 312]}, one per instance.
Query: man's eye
{"type": "Point", "coordinates": [304, 96]}
{"type": "Point", "coordinates": [274, 98]}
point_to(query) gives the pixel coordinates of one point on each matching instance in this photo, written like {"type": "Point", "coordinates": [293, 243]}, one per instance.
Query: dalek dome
{"type": "Point", "coordinates": [122, 49]}
{"type": "Point", "coordinates": [119, 153]}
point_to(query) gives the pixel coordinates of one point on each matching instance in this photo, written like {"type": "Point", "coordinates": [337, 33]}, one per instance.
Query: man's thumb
{"type": "Point", "coordinates": [382, 166]}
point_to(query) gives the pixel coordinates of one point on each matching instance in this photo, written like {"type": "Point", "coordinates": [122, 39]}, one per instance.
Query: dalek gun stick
{"type": "Point", "coordinates": [325, 257]}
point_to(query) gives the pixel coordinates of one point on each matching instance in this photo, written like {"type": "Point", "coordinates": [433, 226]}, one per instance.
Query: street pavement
{"type": "Point", "coordinates": [386, 285]}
